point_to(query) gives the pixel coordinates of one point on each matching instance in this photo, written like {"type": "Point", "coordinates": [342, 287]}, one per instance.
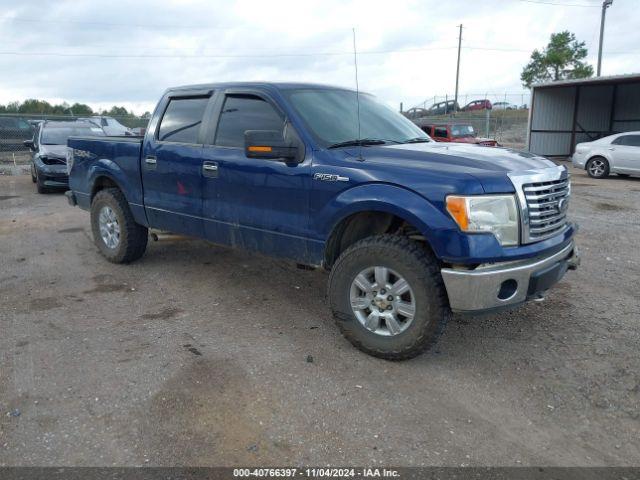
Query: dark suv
{"type": "Point", "coordinates": [49, 147]}
{"type": "Point", "coordinates": [14, 131]}
{"type": "Point", "coordinates": [442, 108]}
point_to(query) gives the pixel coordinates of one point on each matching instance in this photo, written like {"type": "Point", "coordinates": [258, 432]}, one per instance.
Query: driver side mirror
{"type": "Point", "coordinates": [30, 145]}
{"type": "Point", "coordinates": [270, 145]}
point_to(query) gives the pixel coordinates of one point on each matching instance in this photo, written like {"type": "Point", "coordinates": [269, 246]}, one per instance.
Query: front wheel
{"type": "Point", "coordinates": [115, 232]}
{"type": "Point", "coordinates": [388, 298]}
{"type": "Point", "coordinates": [598, 167]}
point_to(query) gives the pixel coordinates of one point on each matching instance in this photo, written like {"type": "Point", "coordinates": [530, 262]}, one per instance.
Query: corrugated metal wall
{"type": "Point", "coordinates": [601, 111]}
{"type": "Point", "coordinates": [627, 110]}
{"type": "Point", "coordinates": [552, 119]}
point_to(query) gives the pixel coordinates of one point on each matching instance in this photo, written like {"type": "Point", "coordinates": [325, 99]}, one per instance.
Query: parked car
{"type": "Point", "coordinates": [109, 125]}
{"type": "Point", "coordinates": [410, 229]}
{"type": "Point", "coordinates": [457, 133]}
{"type": "Point", "coordinates": [477, 105]}
{"type": "Point", "coordinates": [504, 106]}
{"type": "Point", "coordinates": [49, 147]}
{"type": "Point", "coordinates": [13, 132]}
{"type": "Point", "coordinates": [416, 112]}
{"type": "Point", "coordinates": [618, 154]}
{"type": "Point", "coordinates": [442, 108]}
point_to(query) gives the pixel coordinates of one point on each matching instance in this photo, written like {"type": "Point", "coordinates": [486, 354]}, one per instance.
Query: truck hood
{"type": "Point", "coordinates": [489, 165]}
{"type": "Point", "coordinates": [59, 151]}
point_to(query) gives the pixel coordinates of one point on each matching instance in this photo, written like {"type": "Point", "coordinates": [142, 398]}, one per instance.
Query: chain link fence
{"type": "Point", "coordinates": [508, 128]}
{"type": "Point", "coordinates": [16, 128]}
{"type": "Point", "coordinates": [505, 121]}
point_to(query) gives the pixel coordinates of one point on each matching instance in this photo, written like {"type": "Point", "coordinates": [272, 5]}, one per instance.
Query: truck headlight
{"type": "Point", "coordinates": [69, 156]}
{"type": "Point", "coordinates": [496, 214]}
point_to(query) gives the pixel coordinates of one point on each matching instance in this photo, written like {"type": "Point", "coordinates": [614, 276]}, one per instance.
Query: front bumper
{"type": "Point", "coordinates": [578, 160]}
{"type": "Point", "coordinates": [53, 175]}
{"type": "Point", "coordinates": [502, 285]}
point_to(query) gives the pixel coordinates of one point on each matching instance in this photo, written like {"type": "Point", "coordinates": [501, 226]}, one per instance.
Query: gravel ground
{"type": "Point", "coordinates": [197, 355]}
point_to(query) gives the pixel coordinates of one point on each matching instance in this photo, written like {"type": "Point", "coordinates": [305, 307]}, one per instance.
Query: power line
{"type": "Point", "coordinates": [541, 2]}
{"type": "Point", "coordinates": [275, 55]}
{"type": "Point", "coordinates": [112, 24]}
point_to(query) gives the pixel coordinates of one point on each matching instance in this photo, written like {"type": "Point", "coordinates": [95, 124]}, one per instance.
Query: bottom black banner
{"type": "Point", "coordinates": [403, 473]}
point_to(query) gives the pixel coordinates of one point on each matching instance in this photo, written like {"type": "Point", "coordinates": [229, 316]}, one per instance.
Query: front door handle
{"type": "Point", "coordinates": [151, 162]}
{"type": "Point", "coordinates": [210, 169]}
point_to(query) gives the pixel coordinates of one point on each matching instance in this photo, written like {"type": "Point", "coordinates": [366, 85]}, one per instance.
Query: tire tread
{"type": "Point", "coordinates": [135, 236]}
{"type": "Point", "coordinates": [426, 265]}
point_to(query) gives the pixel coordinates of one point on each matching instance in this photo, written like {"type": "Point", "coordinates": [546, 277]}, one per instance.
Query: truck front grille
{"type": "Point", "coordinates": [547, 204]}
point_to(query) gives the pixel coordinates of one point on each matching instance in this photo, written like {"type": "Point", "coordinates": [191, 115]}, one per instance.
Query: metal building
{"type": "Point", "coordinates": [572, 111]}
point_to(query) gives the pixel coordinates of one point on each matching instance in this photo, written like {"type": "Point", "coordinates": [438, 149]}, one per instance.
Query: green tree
{"type": "Point", "coordinates": [563, 58]}
{"type": "Point", "coordinates": [117, 112]}
{"type": "Point", "coordinates": [31, 105]}
{"type": "Point", "coordinates": [81, 109]}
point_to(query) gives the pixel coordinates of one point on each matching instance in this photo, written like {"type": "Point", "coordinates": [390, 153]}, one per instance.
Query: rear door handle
{"type": "Point", "coordinates": [210, 169]}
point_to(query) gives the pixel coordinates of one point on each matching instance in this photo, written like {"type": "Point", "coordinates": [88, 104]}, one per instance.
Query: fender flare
{"type": "Point", "coordinates": [398, 201]}
{"type": "Point", "coordinates": [132, 193]}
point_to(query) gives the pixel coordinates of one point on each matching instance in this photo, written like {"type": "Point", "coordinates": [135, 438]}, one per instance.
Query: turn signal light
{"type": "Point", "coordinates": [457, 207]}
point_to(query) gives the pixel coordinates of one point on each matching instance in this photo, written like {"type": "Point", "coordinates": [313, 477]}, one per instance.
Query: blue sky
{"type": "Point", "coordinates": [128, 52]}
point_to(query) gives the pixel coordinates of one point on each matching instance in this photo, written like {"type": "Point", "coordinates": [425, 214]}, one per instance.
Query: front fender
{"type": "Point", "coordinates": [404, 203]}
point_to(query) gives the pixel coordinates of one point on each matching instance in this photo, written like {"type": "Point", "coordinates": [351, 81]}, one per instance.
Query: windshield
{"type": "Point", "coordinates": [331, 115]}
{"type": "Point", "coordinates": [59, 135]}
{"type": "Point", "coordinates": [462, 131]}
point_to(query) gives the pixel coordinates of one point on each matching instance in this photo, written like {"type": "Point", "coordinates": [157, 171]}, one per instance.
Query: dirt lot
{"type": "Point", "coordinates": [197, 355]}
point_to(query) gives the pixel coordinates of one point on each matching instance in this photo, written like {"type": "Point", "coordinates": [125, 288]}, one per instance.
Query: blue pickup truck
{"type": "Point", "coordinates": [409, 229]}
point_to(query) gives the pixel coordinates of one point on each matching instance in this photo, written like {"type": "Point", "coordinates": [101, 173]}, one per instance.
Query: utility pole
{"type": "Point", "coordinates": [455, 107]}
{"type": "Point", "coordinates": [606, 4]}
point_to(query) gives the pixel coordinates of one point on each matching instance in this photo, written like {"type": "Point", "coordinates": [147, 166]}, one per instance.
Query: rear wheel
{"type": "Point", "coordinates": [598, 167]}
{"type": "Point", "coordinates": [115, 232]}
{"type": "Point", "coordinates": [388, 298]}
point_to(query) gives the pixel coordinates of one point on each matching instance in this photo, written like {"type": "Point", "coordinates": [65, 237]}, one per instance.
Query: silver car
{"type": "Point", "coordinates": [618, 154]}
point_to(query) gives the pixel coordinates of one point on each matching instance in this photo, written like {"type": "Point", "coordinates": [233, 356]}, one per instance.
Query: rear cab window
{"type": "Point", "coordinates": [182, 120]}
{"type": "Point", "coordinates": [440, 132]}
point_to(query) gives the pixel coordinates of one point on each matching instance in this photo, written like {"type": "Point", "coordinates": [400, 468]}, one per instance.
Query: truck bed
{"type": "Point", "coordinates": [107, 158]}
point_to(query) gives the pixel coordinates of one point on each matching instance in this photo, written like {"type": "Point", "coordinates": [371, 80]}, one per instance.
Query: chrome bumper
{"type": "Point", "coordinates": [499, 285]}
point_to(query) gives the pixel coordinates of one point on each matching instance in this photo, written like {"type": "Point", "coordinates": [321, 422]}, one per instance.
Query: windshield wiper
{"type": "Point", "coordinates": [418, 140]}
{"type": "Point", "coordinates": [355, 142]}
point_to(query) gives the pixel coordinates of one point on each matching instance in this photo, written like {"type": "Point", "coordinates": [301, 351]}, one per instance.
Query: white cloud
{"type": "Point", "coordinates": [423, 34]}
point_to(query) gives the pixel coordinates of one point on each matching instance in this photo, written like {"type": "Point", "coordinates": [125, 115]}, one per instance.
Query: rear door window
{"type": "Point", "coordinates": [182, 120]}
{"type": "Point", "coordinates": [628, 140]}
{"type": "Point", "coordinates": [245, 112]}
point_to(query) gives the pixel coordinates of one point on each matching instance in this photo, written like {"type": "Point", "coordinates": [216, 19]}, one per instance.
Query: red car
{"type": "Point", "coordinates": [477, 105]}
{"type": "Point", "coordinates": [458, 133]}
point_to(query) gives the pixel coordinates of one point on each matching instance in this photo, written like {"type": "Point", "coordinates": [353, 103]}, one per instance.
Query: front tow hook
{"type": "Point", "coordinates": [574, 260]}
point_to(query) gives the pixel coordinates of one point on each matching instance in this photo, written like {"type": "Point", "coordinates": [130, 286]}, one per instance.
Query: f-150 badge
{"type": "Point", "coordinates": [329, 177]}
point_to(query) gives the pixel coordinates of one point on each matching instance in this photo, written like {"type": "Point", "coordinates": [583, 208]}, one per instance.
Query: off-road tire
{"type": "Point", "coordinates": [419, 267]}
{"type": "Point", "coordinates": [133, 237]}
{"type": "Point", "coordinates": [605, 174]}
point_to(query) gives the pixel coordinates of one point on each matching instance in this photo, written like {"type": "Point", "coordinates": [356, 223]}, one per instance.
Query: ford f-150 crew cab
{"type": "Point", "coordinates": [409, 229]}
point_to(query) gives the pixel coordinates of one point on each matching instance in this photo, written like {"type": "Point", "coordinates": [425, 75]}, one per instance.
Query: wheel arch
{"type": "Point", "coordinates": [107, 174]}
{"type": "Point", "coordinates": [375, 211]}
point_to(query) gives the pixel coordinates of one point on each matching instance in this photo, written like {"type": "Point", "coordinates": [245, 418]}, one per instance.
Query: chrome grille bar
{"type": "Point", "coordinates": [543, 196]}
